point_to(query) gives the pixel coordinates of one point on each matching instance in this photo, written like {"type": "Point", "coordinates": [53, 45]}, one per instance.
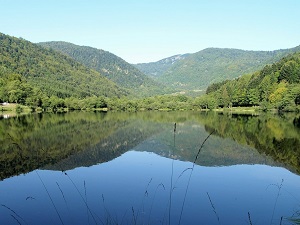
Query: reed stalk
{"type": "Point", "coordinates": [189, 180]}
{"type": "Point", "coordinates": [50, 198]}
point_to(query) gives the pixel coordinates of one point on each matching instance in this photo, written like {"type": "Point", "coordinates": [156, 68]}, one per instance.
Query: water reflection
{"type": "Point", "coordinates": [116, 168]}
{"type": "Point", "coordinates": [273, 135]}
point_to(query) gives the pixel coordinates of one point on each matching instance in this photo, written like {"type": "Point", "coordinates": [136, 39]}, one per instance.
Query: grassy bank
{"type": "Point", "coordinates": [12, 109]}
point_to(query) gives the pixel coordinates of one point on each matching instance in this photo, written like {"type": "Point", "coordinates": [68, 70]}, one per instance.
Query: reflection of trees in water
{"type": "Point", "coordinates": [34, 141]}
{"type": "Point", "coordinates": [84, 139]}
{"type": "Point", "coordinates": [296, 122]}
{"type": "Point", "coordinates": [276, 136]}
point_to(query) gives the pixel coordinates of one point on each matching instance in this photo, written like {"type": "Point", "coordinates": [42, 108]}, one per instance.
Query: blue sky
{"type": "Point", "coordinates": [149, 30]}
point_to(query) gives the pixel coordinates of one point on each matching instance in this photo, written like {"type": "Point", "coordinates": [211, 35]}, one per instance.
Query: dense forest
{"type": "Point", "coordinates": [53, 73]}
{"type": "Point", "coordinates": [275, 86]}
{"type": "Point", "coordinates": [111, 66]}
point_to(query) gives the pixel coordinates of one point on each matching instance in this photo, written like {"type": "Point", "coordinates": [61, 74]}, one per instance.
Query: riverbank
{"type": "Point", "coordinates": [12, 109]}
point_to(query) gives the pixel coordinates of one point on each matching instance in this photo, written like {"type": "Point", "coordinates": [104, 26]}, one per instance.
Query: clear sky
{"type": "Point", "coordinates": [150, 30]}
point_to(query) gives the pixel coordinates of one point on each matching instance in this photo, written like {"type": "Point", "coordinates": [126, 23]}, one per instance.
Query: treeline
{"type": "Point", "coordinates": [15, 89]}
{"type": "Point", "coordinates": [275, 86]}
{"type": "Point", "coordinates": [164, 102]}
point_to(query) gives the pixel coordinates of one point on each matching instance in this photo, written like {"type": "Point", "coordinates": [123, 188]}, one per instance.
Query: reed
{"type": "Point", "coordinates": [133, 216]}
{"type": "Point", "coordinates": [213, 207]}
{"type": "Point", "coordinates": [50, 198]}
{"type": "Point", "coordinates": [146, 194]}
{"type": "Point", "coordinates": [65, 200]}
{"type": "Point", "coordinates": [109, 218]}
{"type": "Point", "coordinates": [88, 208]}
{"type": "Point", "coordinates": [172, 174]}
{"type": "Point", "coordinates": [62, 193]}
{"type": "Point", "coordinates": [181, 174]}
{"type": "Point", "coordinates": [160, 185]}
{"type": "Point", "coordinates": [16, 214]}
{"type": "Point", "coordinates": [29, 197]}
{"type": "Point", "coordinates": [276, 200]}
{"type": "Point", "coordinates": [249, 218]}
{"type": "Point", "coordinates": [87, 211]}
{"type": "Point", "coordinates": [15, 219]}
{"type": "Point", "coordinates": [189, 180]}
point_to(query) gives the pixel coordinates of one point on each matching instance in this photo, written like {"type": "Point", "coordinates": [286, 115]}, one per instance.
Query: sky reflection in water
{"type": "Point", "coordinates": [127, 189]}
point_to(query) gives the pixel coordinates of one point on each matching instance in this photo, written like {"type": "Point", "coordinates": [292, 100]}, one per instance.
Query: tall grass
{"type": "Point", "coordinates": [50, 198]}
{"type": "Point", "coordinates": [189, 180]}
{"type": "Point", "coordinates": [249, 218]}
{"type": "Point", "coordinates": [14, 215]}
{"type": "Point", "coordinates": [172, 174]}
{"type": "Point", "coordinates": [213, 207]}
{"type": "Point", "coordinates": [276, 199]}
{"type": "Point", "coordinates": [88, 208]}
{"type": "Point", "coordinates": [160, 185]}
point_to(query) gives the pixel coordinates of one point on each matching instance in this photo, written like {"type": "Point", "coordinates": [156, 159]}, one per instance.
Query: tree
{"type": "Point", "coordinates": [224, 99]}
{"type": "Point", "coordinates": [253, 97]}
{"type": "Point", "coordinates": [290, 72]}
{"type": "Point", "coordinates": [278, 94]}
{"type": "Point", "coordinates": [35, 99]}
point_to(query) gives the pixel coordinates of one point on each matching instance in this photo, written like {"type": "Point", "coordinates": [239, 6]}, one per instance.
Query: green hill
{"type": "Point", "coordinates": [52, 72]}
{"type": "Point", "coordinates": [156, 69]}
{"type": "Point", "coordinates": [111, 66]}
{"type": "Point", "coordinates": [275, 86]}
{"type": "Point", "coordinates": [197, 71]}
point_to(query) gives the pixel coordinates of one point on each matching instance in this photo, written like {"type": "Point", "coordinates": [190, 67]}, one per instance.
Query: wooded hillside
{"type": "Point", "coordinates": [53, 73]}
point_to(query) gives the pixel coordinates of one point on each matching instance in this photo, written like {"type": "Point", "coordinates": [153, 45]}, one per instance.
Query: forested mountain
{"type": "Point", "coordinates": [196, 71]}
{"type": "Point", "coordinates": [53, 73]}
{"type": "Point", "coordinates": [156, 69]}
{"type": "Point", "coordinates": [111, 66]}
{"type": "Point", "coordinates": [275, 86]}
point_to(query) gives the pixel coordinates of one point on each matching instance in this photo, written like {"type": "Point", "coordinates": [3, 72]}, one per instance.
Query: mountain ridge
{"type": "Point", "coordinates": [198, 70]}
{"type": "Point", "coordinates": [109, 65]}
{"type": "Point", "coordinates": [155, 69]}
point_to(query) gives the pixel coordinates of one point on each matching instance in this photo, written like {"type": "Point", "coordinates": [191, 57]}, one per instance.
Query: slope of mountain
{"type": "Point", "coordinates": [156, 69]}
{"type": "Point", "coordinates": [275, 86]}
{"type": "Point", "coordinates": [111, 66]}
{"type": "Point", "coordinates": [53, 72]}
{"type": "Point", "coordinates": [198, 70]}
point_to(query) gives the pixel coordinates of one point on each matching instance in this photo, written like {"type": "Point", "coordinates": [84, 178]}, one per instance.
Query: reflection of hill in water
{"type": "Point", "coordinates": [109, 148]}
{"type": "Point", "coordinates": [188, 138]}
{"type": "Point", "coordinates": [215, 152]}
{"type": "Point", "coordinates": [34, 141]}
{"type": "Point", "coordinates": [67, 141]}
{"type": "Point", "coordinates": [277, 136]}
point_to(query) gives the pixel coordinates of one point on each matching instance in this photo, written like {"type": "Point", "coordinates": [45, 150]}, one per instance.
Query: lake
{"type": "Point", "coordinates": [150, 168]}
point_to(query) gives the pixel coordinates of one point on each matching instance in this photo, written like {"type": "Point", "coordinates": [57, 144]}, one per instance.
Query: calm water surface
{"type": "Point", "coordinates": [121, 168]}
